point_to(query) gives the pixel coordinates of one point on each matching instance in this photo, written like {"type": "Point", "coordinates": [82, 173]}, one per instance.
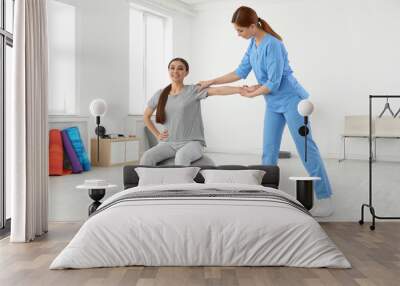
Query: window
{"type": "Point", "coordinates": [62, 58]}
{"type": "Point", "coordinates": [9, 15]}
{"type": "Point", "coordinates": [6, 43]}
{"type": "Point", "coordinates": [150, 50]}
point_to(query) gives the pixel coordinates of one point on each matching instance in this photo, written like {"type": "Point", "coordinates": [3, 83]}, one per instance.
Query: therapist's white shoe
{"type": "Point", "coordinates": [322, 208]}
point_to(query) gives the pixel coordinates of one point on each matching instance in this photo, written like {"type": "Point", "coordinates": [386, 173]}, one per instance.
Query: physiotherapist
{"type": "Point", "coordinates": [266, 55]}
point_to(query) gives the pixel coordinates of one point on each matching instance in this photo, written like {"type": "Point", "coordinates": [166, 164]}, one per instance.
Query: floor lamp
{"type": "Point", "coordinates": [304, 185]}
{"type": "Point", "coordinates": [305, 108]}
{"type": "Point", "coordinates": [98, 107]}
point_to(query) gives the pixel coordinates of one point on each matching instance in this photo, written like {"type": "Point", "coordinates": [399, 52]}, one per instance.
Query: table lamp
{"type": "Point", "coordinates": [305, 108]}
{"type": "Point", "coordinates": [98, 107]}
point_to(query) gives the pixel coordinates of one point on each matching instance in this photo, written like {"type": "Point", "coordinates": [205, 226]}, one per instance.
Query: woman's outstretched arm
{"type": "Point", "coordinates": [224, 90]}
{"type": "Point", "coordinates": [228, 78]}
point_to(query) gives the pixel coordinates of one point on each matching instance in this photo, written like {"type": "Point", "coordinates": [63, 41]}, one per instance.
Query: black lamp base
{"type": "Point", "coordinates": [96, 195]}
{"type": "Point", "coordinates": [100, 131]}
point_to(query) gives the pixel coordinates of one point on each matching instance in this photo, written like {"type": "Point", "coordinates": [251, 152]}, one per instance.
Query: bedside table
{"type": "Point", "coordinates": [96, 190]}
{"type": "Point", "coordinates": [304, 190]}
{"type": "Point", "coordinates": [115, 151]}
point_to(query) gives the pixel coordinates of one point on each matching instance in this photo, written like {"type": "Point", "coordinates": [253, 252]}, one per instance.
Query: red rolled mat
{"type": "Point", "coordinates": [56, 155]}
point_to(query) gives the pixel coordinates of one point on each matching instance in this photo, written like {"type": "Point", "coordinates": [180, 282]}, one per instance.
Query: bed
{"type": "Point", "coordinates": [201, 224]}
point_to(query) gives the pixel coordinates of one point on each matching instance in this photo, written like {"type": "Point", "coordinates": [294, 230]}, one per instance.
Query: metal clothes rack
{"type": "Point", "coordinates": [369, 205]}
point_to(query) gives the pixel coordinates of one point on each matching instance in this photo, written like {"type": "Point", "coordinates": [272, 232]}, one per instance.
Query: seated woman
{"type": "Point", "coordinates": [179, 111]}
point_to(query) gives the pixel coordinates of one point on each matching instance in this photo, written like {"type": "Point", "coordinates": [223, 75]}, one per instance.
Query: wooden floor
{"type": "Point", "coordinates": [374, 255]}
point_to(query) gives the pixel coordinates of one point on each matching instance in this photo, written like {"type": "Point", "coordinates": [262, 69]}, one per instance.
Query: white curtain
{"type": "Point", "coordinates": [28, 135]}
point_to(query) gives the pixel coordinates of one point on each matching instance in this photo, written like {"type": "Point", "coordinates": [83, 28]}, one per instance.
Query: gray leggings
{"type": "Point", "coordinates": [184, 153]}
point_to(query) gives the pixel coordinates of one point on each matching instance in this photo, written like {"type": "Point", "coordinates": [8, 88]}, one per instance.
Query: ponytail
{"type": "Point", "coordinates": [162, 101]}
{"type": "Point", "coordinates": [267, 28]}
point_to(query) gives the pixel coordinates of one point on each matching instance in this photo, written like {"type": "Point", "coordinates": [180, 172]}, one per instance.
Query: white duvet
{"type": "Point", "coordinates": [200, 231]}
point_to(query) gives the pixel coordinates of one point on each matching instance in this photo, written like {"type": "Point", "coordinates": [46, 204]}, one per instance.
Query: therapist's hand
{"type": "Point", "coordinates": [251, 88]}
{"type": "Point", "coordinates": [259, 90]}
{"type": "Point", "coordinates": [246, 93]}
{"type": "Point", "coordinates": [204, 84]}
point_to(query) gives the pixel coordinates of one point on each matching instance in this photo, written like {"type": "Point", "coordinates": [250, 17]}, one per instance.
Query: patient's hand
{"type": "Point", "coordinates": [204, 84]}
{"type": "Point", "coordinates": [163, 135]}
{"type": "Point", "coordinates": [251, 88]}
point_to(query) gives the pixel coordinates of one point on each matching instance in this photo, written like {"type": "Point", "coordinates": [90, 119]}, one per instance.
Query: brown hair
{"type": "Point", "coordinates": [245, 16]}
{"type": "Point", "coordinates": [162, 101]}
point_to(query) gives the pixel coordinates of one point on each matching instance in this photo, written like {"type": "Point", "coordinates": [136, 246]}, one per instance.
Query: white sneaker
{"type": "Point", "coordinates": [322, 208]}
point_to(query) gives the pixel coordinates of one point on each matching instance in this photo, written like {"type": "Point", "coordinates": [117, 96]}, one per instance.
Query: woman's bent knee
{"type": "Point", "coordinates": [147, 159]}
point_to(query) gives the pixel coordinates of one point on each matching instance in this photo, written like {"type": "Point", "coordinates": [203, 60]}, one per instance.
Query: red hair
{"type": "Point", "coordinates": [245, 16]}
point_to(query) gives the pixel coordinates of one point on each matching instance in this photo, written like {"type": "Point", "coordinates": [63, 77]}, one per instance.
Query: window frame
{"type": "Point", "coordinates": [75, 106]}
{"type": "Point", "coordinates": [6, 39]}
{"type": "Point", "coordinates": [167, 50]}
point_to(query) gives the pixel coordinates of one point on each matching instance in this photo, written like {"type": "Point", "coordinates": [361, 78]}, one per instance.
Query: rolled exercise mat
{"type": "Point", "coordinates": [77, 144]}
{"type": "Point", "coordinates": [70, 153]}
{"type": "Point", "coordinates": [55, 153]}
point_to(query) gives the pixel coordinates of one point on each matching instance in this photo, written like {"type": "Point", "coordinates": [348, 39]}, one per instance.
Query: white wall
{"type": "Point", "coordinates": [102, 59]}
{"type": "Point", "coordinates": [341, 51]}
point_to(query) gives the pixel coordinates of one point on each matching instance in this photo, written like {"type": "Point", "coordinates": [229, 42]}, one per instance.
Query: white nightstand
{"type": "Point", "coordinates": [304, 190]}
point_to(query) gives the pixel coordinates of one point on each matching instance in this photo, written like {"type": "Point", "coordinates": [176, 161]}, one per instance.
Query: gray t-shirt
{"type": "Point", "coordinates": [183, 114]}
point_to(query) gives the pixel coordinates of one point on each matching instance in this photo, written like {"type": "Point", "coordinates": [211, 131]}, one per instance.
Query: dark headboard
{"type": "Point", "coordinates": [270, 179]}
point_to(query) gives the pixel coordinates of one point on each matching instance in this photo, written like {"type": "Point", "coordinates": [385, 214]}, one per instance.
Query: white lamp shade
{"type": "Point", "coordinates": [305, 107]}
{"type": "Point", "coordinates": [98, 107]}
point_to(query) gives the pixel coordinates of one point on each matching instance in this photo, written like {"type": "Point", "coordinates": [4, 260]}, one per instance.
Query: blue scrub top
{"type": "Point", "coordinates": [270, 64]}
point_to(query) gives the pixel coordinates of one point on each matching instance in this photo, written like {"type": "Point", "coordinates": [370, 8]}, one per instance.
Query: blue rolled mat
{"type": "Point", "coordinates": [77, 144]}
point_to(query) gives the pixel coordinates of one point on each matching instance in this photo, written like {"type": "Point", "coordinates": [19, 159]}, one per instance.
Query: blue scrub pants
{"type": "Point", "coordinates": [274, 123]}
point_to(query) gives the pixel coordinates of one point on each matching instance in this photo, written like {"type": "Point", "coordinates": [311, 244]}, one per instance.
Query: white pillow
{"type": "Point", "coordinates": [164, 176]}
{"type": "Point", "coordinates": [248, 177]}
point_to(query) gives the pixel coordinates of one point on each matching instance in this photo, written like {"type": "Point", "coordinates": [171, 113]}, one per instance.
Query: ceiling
{"type": "Point", "coordinates": [193, 2]}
